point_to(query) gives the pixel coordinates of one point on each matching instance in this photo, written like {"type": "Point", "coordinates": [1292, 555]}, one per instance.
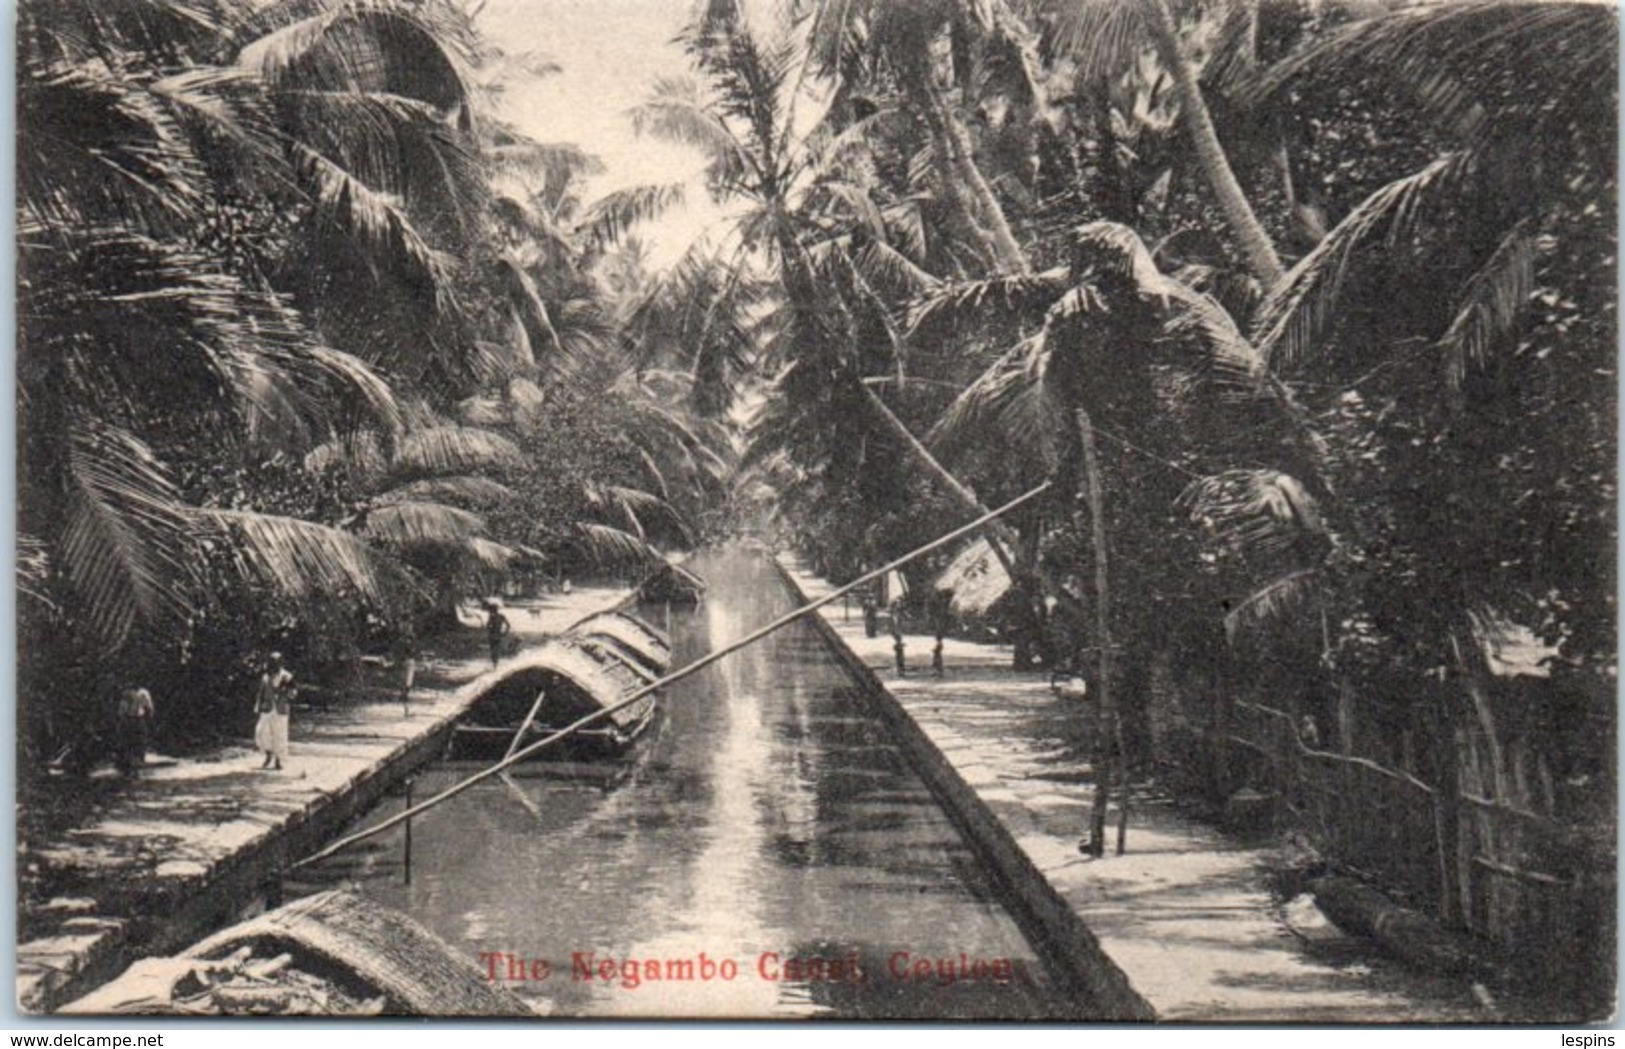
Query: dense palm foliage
{"type": "Point", "coordinates": [312, 344]}
{"type": "Point", "coordinates": [1334, 284]}
{"type": "Point", "coordinates": [308, 342]}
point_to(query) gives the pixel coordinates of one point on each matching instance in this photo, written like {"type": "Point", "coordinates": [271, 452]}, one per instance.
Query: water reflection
{"type": "Point", "coordinates": [769, 829]}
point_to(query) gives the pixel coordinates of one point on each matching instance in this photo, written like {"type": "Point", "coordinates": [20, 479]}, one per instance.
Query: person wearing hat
{"type": "Point", "coordinates": [273, 702]}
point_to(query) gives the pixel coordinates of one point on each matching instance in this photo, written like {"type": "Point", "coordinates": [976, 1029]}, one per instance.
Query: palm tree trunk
{"type": "Point", "coordinates": [1254, 240]}
{"type": "Point", "coordinates": [1106, 715]}
{"type": "Point", "coordinates": [1000, 537]}
{"type": "Point", "coordinates": [969, 188]}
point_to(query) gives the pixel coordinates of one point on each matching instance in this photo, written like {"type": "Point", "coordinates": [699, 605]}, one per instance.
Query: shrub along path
{"type": "Point", "coordinates": [96, 895]}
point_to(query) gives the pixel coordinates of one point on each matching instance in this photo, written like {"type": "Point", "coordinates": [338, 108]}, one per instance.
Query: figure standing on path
{"type": "Point", "coordinates": [496, 629]}
{"type": "Point", "coordinates": [273, 702]}
{"type": "Point", "coordinates": [941, 623]}
{"type": "Point", "coordinates": [897, 638]}
{"type": "Point", "coordinates": [135, 713]}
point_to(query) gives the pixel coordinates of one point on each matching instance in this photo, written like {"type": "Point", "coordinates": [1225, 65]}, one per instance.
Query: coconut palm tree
{"type": "Point", "coordinates": [860, 44]}
{"type": "Point", "coordinates": [1107, 38]}
{"type": "Point", "coordinates": [178, 159]}
{"type": "Point", "coordinates": [700, 317]}
{"type": "Point", "coordinates": [746, 128]}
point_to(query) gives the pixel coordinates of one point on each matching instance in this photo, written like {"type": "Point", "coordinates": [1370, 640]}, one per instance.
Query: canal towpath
{"type": "Point", "coordinates": [153, 863]}
{"type": "Point", "coordinates": [1184, 926]}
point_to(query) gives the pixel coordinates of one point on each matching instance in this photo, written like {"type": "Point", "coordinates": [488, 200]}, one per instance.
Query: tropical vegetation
{"type": "Point", "coordinates": [1317, 299]}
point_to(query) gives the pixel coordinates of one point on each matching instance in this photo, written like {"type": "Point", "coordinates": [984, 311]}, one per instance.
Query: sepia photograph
{"type": "Point", "coordinates": [964, 511]}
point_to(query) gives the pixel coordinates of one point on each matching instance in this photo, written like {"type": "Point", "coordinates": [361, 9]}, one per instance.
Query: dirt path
{"type": "Point", "coordinates": [1185, 918]}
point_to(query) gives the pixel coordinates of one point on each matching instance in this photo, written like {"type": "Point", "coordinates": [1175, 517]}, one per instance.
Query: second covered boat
{"type": "Point", "coordinates": [594, 666]}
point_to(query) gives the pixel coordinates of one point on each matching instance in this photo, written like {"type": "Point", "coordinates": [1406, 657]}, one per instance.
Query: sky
{"type": "Point", "coordinates": [611, 52]}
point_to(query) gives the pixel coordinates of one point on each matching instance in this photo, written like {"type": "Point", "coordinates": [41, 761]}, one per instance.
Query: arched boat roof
{"type": "Point", "coordinates": [566, 660]}
{"type": "Point", "coordinates": [371, 944]}
{"type": "Point", "coordinates": [648, 644]}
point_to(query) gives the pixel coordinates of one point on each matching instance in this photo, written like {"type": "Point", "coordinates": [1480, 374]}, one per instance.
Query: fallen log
{"type": "Point", "coordinates": [1410, 935]}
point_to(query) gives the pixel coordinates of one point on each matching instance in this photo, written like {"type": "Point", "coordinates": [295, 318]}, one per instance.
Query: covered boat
{"type": "Point", "coordinates": [671, 584]}
{"type": "Point", "coordinates": [624, 637]}
{"type": "Point", "coordinates": [546, 689]}
{"type": "Point", "coordinates": [331, 954]}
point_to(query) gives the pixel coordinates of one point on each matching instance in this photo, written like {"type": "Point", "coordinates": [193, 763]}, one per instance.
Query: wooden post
{"type": "Point", "coordinates": [1106, 719]}
{"type": "Point", "coordinates": [406, 864]}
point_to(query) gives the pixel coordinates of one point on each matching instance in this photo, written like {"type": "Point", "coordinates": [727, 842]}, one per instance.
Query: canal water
{"type": "Point", "coordinates": [766, 851]}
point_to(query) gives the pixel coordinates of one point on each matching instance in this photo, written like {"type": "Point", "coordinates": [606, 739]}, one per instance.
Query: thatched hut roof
{"type": "Point", "coordinates": [977, 580]}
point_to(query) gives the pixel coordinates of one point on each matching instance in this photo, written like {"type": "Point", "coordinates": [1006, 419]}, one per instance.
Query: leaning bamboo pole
{"type": "Point", "coordinates": [699, 664]}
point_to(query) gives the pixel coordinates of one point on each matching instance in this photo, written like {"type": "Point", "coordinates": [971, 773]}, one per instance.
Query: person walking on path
{"type": "Point", "coordinates": [496, 629]}
{"type": "Point", "coordinates": [135, 714]}
{"type": "Point", "coordinates": [273, 702]}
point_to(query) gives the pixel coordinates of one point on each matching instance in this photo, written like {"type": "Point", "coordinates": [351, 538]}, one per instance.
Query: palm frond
{"type": "Point", "coordinates": [1113, 248]}
{"type": "Point", "coordinates": [1021, 296]}
{"type": "Point", "coordinates": [358, 455]}
{"type": "Point", "coordinates": [1255, 512]}
{"type": "Point", "coordinates": [421, 51]}
{"type": "Point", "coordinates": [525, 300]}
{"type": "Point", "coordinates": [171, 31]}
{"type": "Point", "coordinates": [469, 490]}
{"type": "Point", "coordinates": [34, 572]}
{"type": "Point", "coordinates": [525, 224]}
{"type": "Point", "coordinates": [407, 525]}
{"type": "Point", "coordinates": [379, 228]}
{"type": "Point", "coordinates": [1009, 403]}
{"type": "Point", "coordinates": [609, 217]}
{"type": "Point", "coordinates": [235, 128]}
{"type": "Point", "coordinates": [393, 144]}
{"type": "Point", "coordinates": [1516, 72]}
{"type": "Point", "coordinates": [484, 411]}
{"type": "Point", "coordinates": [1276, 599]}
{"type": "Point", "coordinates": [92, 146]}
{"type": "Point", "coordinates": [1104, 37]}
{"type": "Point", "coordinates": [125, 546]}
{"type": "Point", "coordinates": [346, 376]}
{"type": "Point", "coordinates": [883, 264]}
{"type": "Point", "coordinates": [439, 450]}
{"type": "Point", "coordinates": [1294, 316]}
{"type": "Point", "coordinates": [305, 561]}
{"type": "Point", "coordinates": [557, 163]}
{"type": "Point", "coordinates": [1491, 303]}
{"type": "Point", "coordinates": [610, 547]}
{"type": "Point", "coordinates": [644, 514]}
{"type": "Point", "coordinates": [679, 112]}
{"type": "Point", "coordinates": [491, 556]}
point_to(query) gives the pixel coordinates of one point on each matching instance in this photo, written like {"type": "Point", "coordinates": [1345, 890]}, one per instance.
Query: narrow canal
{"type": "Point", "coordinates": [767, 823]}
